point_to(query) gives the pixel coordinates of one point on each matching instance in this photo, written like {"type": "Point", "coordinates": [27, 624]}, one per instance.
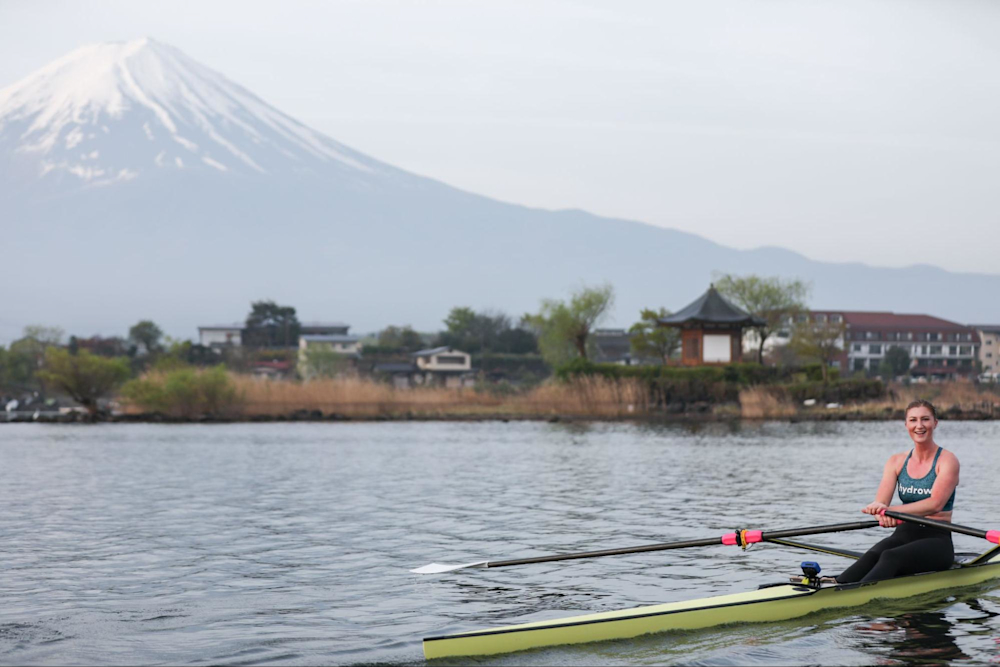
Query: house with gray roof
{"type": "Point", "coordinates": [434, 367]}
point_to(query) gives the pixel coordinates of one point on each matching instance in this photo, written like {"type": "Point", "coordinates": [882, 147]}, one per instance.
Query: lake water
{"type": "Point", "coordinates": [291, 543]}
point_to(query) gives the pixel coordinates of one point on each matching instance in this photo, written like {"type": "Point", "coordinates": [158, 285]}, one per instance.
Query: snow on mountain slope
{"type": "Point", "coordinates": [136, 183]}
{"type": "Point", "coordinates": [113, 112]}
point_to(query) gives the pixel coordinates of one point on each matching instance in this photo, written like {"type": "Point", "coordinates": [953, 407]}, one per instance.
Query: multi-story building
{"type": "Point", "coordinates": [938, 348]}
{"type": "Point", "coordinates": [224, 335]}
{"type": "Point", "coordinates": [221, 335]}
{"type": "Point", "coordinates": [989, 347]}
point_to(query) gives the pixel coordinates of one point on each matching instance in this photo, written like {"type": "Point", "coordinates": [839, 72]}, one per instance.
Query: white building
{"type": "Point", "coordinates": [989, 347]}
{"type": "Point", "coordinates": [439, 366]}
{"type": "Point", "coordinates": [221, 335]}
{"type": "Point", "coordinates": [339, 343]}
{"type": "Point", "coordinates": [937, 348]}
{"type": "Point", "coordinates": [443, 359]}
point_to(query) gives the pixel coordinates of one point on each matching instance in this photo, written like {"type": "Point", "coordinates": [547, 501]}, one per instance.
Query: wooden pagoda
{"type": "Point", "coordinates": [711, 330]}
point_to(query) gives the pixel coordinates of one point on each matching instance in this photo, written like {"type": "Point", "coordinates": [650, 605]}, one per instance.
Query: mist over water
{"type": "Point", "coordinates": [291, 543]}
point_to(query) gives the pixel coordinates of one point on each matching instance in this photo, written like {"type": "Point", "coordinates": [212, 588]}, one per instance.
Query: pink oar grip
{"type": "Point", "coordinates": [993, 536]}
{"type": "Point", "coordinates": [729, 539]}
{"type": "Point", "coordinates": [751, 536]}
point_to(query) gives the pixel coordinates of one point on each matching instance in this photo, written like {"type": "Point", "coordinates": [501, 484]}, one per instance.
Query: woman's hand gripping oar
{"type": "Point", "coordinates": [741, 538]}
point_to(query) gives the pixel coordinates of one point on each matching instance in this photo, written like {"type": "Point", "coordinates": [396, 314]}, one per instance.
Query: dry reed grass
{"type": "Point", "coordinates": [591, 396]}
{"type": "Point", "coordinates": [761, 403]}
{"type": "Point", "coordinates": [964, 396]}
{"type": "Point", "coordinates": [358, 397]}
{"type": "Point", "coordinates": [584, 396]}
{"type": "Point", "coordinates": [355, 397]}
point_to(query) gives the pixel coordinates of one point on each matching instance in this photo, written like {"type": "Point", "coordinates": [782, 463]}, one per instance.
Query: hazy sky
{"type": "Point", "coordinates": [849, 131]}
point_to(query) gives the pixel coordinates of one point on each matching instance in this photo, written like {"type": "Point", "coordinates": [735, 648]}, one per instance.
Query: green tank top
{"type": "Point", "coordinates": [913, 490]}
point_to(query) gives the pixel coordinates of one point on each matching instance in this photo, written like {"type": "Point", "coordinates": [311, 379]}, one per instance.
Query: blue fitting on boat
{"type": "Point", "coordinates": [811, 568]}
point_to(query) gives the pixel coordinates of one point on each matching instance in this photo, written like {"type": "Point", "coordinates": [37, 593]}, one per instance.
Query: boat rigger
{"type": "Point", "coordinates": [769, 603]}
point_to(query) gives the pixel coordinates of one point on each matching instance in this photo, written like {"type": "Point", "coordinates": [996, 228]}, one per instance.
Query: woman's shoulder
{"type": "Point", "coordinates": [896, 461]}
{"type": "Point", "coordinates": [948, 456]}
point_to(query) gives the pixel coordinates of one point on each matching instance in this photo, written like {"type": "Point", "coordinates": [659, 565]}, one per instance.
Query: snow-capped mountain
{"type": "Point", "coordinates": [113, 112]}
{"type": "Point", "coordinates": [138, 184]}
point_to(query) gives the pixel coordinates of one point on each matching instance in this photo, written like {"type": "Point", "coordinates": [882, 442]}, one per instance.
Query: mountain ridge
{"type": "Point", "coordinates": [358, 240]}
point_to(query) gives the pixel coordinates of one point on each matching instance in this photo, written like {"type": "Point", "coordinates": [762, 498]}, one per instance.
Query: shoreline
{"type": "Point", "coordinates": [317, 416]}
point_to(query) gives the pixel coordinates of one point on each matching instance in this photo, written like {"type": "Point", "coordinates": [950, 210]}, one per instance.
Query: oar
{"type": "Point", "coordinates": [740, 538]}
{"type": "Point", "coordinates": [988, 535]}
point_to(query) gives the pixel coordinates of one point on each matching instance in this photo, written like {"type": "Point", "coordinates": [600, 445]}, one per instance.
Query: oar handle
{"type": "Point", "coordinates": [989, 535]}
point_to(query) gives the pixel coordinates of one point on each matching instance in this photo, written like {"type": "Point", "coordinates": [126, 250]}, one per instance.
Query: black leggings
{"type": "Point", "coordinates": [910, 549]}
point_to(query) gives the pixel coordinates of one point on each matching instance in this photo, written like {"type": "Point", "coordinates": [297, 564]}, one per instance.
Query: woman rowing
{"type": "Point", "coordinates": [925, 478]}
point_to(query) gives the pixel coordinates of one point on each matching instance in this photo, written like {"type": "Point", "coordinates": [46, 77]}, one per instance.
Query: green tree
{"type": "Point", "coordinates": [818, 341]}
{"type": "Point", "coordinates": [517, 340]}
{"type": "Point", "coordinates": [484, 332]}
{"type": "Point", "coordinates": [185, 392]}
{"type": "Point", "coordinates": [84, 376]}
{"type": "Point", "coordinates": [177, 353]}
{"type": "Point", "coordinates": [319, 361]}
{"type": "Point", "coordinates": [146, 336]}
{"type": "Point", "coordinates": [271, 325]}
{"type": "Point", "coordinates": [401, 338]}
{"type": "Point", "coordinates": [23, 361]}
{"type": "Point", "coordinates": [113, 346]}
{"type": "Point", "coordinates": [649, 339]}
{"type": "Point", "coordinates": [461, 326]}
{"type": "Point", "coordinates": [4, 367]}
{"type": "Point", "coordinates": [563, 328]}
{"type": "Point", "coordinates": [26, 355]}
{"type": "Point", "coordinates": [896, 362]}
{"type": "Point", "coordinates": [773, 300]}
{"type": "Point", "coordinates": [44, 335]}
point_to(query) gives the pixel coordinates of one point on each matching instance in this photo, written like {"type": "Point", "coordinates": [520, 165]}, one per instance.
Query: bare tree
{"type": "Point", "coordinates": [772, 299]}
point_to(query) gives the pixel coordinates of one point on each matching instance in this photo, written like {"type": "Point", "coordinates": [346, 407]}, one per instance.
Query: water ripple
{"type": "Point", "coordinates": [291, 543]}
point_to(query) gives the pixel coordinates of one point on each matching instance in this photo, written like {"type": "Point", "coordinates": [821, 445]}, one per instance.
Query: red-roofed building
{"type": "Point", "coordinates": [938, 348]}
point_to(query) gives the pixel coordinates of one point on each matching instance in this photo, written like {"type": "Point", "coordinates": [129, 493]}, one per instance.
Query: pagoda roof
{"type": "Point", "coordinates": [711, 307]}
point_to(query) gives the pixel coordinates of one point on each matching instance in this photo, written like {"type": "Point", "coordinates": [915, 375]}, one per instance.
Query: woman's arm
{"type": "Point", "coordinates": [885, 490]}
{"type": "Point", "coordinates": [944, 486]}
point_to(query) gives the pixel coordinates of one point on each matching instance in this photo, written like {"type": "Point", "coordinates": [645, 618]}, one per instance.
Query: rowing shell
{"type": "Point", "coordinates": [771, 603]}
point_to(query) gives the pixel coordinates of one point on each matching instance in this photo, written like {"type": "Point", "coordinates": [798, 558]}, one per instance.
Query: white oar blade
{"type": "Point", "coordinates": [438, 568]}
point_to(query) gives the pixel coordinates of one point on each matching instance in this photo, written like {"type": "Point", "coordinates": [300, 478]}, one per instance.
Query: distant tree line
{"type": "Point", "coordinates": [560, 331]}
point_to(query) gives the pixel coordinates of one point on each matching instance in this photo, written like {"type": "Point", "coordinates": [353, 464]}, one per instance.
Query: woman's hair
{"type": "Point", "coordinates": [921, 403]}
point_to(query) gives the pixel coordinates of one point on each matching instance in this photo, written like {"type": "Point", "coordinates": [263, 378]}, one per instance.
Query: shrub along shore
{"type": "Point", "coordinates": [580, 391]}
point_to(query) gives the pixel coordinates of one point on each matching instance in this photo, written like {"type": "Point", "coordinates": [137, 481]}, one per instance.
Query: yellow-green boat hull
{"type": "Point", "coordinates": [774, 603]}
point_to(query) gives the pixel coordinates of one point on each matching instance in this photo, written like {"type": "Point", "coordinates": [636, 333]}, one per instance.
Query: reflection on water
{"type": "Point", "coordinates": [291, 543]}
{"type": "Point", "coordinates": [934, 637]}
{"type": "Point", "coordinates": [920, 638]}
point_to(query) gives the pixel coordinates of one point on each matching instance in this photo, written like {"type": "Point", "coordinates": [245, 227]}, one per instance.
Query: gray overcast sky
{"type": "Point", "coordinates": [848, 131]}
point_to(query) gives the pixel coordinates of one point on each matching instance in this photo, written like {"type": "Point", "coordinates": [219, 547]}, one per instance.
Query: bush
{"type": "Point", "coordinates": [84, 376]}
{"type": "Point", "coordinates": [719, 384]}
{"type": "Point", "coordinates": [667, 384]}
{"type": "Point", "coordinates": [512, 366]}
{"type": "Point", "coordinates": [814, 373]}
{"type": "Point", "coordinates": [749, 375]}
{"type": "Point", "coordinates": [184, 392]}
{"type": "Point", "coordinates": [839, 391]}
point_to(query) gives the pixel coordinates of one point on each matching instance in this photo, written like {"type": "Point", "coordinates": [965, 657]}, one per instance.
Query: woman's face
{"type": "Point", "coordinates": [920, 423]}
